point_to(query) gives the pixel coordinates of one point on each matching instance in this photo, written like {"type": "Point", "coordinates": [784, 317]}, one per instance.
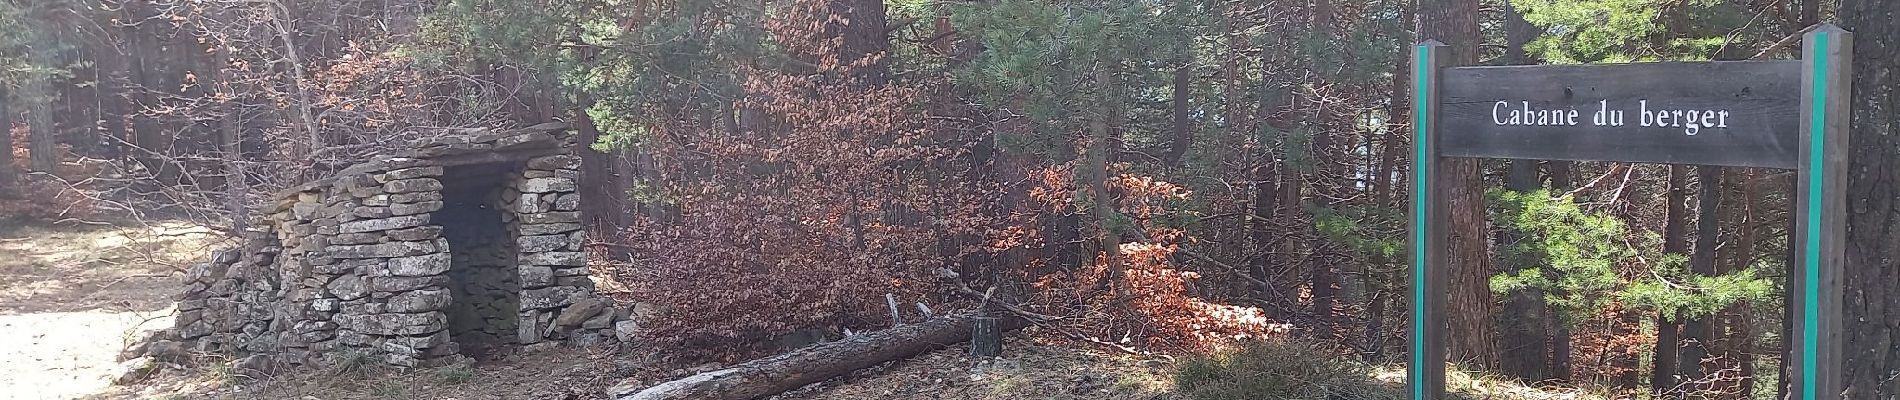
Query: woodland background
{"type": "Point", "coordinates": [1164, 175]}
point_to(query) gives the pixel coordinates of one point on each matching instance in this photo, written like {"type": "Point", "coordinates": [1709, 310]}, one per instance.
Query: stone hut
{"type": "Point", "coordinates": [462, 245]}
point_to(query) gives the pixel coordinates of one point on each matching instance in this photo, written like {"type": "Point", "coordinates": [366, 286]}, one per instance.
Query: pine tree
{"type": "Point", "coordinates": [43, 50]}
{"type": "Point", "coordinates": [1872, 272]}
{"type": "Point", "coordinates": [1470, 313]}
{"type": "Point", "coordinates": [1526, 323]}
{"type": "Point", "coordinates": [13, 67]}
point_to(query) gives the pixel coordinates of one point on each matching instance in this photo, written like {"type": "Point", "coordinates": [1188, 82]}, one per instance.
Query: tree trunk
{"type": "Point", "coordinates": [44, 136]}
{"type": "Point", "coordinates": [1183, 132]}
{"type": "Point", "coordinates": [404, 17]}
{"type": "Point", "coordinates": [1097, 173]}
{"type": "Point", "coordinates": [862, 32]}
{"type": "Point", "coordinates": [1811, 12]}
{"type": "Point", "coordinates": [1872, 273]}
{"type": "Point", "coordinates": [776, 374]}
{"type": "Point", "coordinates": [144, 81]}
{"type": "Point", "coordinates": [1391, 145]}
{"type": "Point", "coordinates": [303, 123]}
{"type": "Point", "coordinates": [1662, 378]}
{"type": "Point", "coordinates": [231, 142]}
{"type": "Point", "coordinates": [1240, 124]}
{"type": "Point", "coordinates": [1526, 321]}
{"type": "Point", "coordinates": [115, 106]}
{"type": "Point", "coordinates": [1322, 273]}
{"type": "Point", "coordinates": [1468, 310]}
{"type": "Point", "coordinates": [1560, 174]}
{"type": "Point", "coordinates": [78, 109]}
{"type": "Point", "coordinates": [1697, 332]}
{"type": "Point", "coordinates": [1281, 262]}
{"type": "Point", "coordinates": [1740, 321]}
{"type": "Point", "coordinates": [6, 144]}
{"type": "Point", "coordinates": [1260, 265]}
{"type": "Point", "coordinates": [603, 185]}
{"type": "Point", "coordinates": [1629, 322]}
{"type": "Point", "coordinates": [1789, 307]}
{"type": "Point", "coordinates": [1399, 115]}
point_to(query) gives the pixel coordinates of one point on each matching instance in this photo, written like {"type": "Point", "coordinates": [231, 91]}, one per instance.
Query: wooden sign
{"type": "Point", "coordinates": [1772, 114]}
{"type": "Point", "coordinates": [1714, 113]}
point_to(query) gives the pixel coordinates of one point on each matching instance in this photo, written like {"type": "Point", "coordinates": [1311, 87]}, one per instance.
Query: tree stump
{"type": "Point", "coordinates": [985, 339]}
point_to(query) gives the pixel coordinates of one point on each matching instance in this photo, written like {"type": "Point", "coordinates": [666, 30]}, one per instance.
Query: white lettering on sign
{"type": "Point", "coordinates": [1691, 121]}
{"type": "Point", "coordinates": [1503, 113]}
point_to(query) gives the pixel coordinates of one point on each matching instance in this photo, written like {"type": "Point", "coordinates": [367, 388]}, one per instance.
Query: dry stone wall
{"type": "Point", "coordinates": [403, 260]}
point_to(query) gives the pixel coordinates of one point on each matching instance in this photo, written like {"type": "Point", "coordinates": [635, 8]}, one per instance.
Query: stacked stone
{"type": "Point", "coordinates": [297, 223]}
{"type": "Point", "coordinates": [208, 310]}
{"type": "Point", "coordinates": [487, 291]}
{"type": "Point", "coordinates": [479, 140]}
{"type": "Point", "coordinates": [227, 304]}
{"type": "Point", "coordinates": [553, 269]}
{"type": "Point", "coordinates": [383, 265]}
{"type": "Point", "coordinates": [354, 264]}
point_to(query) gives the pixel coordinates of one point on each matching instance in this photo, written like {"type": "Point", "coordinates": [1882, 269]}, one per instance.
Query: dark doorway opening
{"type": "Point", "coordinates": [482, 273]}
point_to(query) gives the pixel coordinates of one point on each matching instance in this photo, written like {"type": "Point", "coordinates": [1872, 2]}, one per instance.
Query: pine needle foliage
{"type": "Point", "coordinates": [1582, 254]}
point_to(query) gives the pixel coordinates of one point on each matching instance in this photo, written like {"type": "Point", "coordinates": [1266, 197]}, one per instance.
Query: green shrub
{"type": "Point", "coordinates": [456, 374]}
{"type": "Point", "coordinates": [223, 375]}
{"type": "Point", "coordinates": [388, 389]}
{"type": "Point", "coordinates": [353, 363]}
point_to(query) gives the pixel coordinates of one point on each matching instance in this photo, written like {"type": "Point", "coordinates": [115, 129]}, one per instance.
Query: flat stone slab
{"type": "Point", "coordinates": [383, 224]}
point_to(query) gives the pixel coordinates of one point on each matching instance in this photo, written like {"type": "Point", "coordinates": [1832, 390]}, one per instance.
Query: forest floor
{"type": "Point", "coordinates": [1029, 371]}
{"type": "Point", "coordinates": [73, 295]}
{"type": "Point", "coordinates": [557, 373]}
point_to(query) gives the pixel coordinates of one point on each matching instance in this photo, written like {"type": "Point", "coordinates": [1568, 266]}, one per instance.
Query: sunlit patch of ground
{"type": "Point", "coordinates": [63, 355]}
{"type": "Point", "coordinates": [71, 296]}
{"type": "Point", "coordinates": [1468, 385]}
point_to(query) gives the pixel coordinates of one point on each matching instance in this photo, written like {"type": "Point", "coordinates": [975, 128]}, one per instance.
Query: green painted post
{"type": "Point", "coordinates": [1425, 376]}
{"type": "Point", "coordinates": [1820, 206]}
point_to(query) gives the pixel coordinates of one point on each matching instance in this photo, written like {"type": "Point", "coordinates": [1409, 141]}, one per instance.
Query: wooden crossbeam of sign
{"type": "Point", "coordinates": [1769, 114]}
{"type": "Point", "coordinates": [1736, 113]}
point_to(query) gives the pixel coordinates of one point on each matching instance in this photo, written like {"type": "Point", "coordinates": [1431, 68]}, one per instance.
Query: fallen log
{"type": "Point", "coordinates": [791, 370]}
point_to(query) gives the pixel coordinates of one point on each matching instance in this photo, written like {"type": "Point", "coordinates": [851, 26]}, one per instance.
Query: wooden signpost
{"type": "Point", "coordinates": [1769, 114]}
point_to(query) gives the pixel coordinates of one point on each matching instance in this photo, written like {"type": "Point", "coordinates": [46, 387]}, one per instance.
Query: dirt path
{"type": "Point", "coordinates": [70, 297]}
